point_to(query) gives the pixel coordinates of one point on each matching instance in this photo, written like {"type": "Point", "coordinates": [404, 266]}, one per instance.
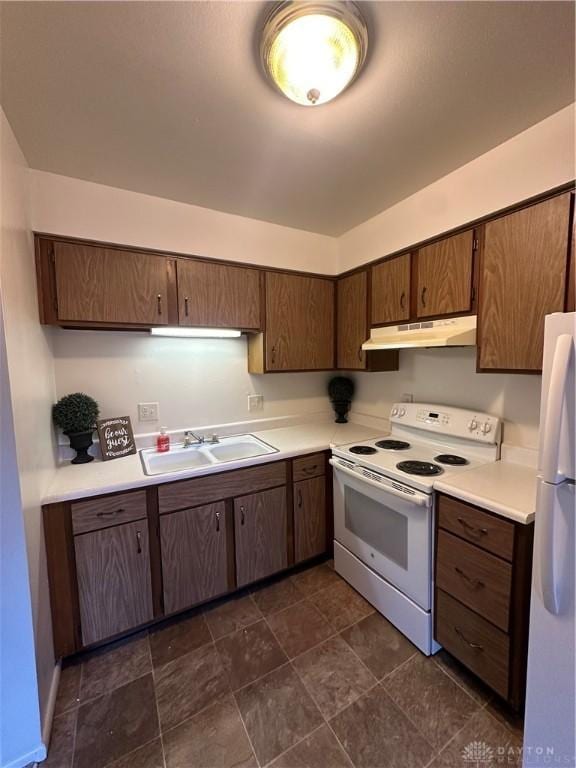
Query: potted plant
{"type": "Point", "coordinates": [76, 416]}
{"type": "Point", "coordinates": [341, 390]}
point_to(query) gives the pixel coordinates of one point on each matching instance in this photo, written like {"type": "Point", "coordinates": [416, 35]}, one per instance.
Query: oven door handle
{"type": "Point", "coordinates": [420, 499]}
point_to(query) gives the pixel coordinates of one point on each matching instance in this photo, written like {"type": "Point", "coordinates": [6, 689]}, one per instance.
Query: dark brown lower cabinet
{"type": "Point", "coordinates": [482, 602]}
{"type": "Point", "coordinates": [260, 525]}
{"type": "Point", "coordinates": [194, 555]}
{"type": "Point", "coordinates": [309, 518]}
{"type": "Point", "coordinates": [114, 585]}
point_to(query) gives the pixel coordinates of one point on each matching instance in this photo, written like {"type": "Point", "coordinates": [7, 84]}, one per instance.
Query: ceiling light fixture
{"type": "Point", "coordinates": [313, 50]}
{"type": "Point", "coordinates": [196, 333]}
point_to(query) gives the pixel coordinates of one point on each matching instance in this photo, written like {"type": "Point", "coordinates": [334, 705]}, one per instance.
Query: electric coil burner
{"type": "Point", "coordinates": [393, 445]}
{"type": "Point", "coordinates": [363, 450]}
{"type": "Point", "coordinates": [451, 460]}
{"type": "Point", "coordinates": [423, 468]}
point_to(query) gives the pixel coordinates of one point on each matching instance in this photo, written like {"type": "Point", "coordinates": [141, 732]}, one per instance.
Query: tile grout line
{"type": "Point", "coordinates": [296, 744]}
{"type": "Point", "coordinates": [459, 684]}
{"type": "Point", "coordinates": [245, 729]}
{"type": "Point", "coordinates": [77, 714]}
{"type": "Point", "coordinates": [156, 701]}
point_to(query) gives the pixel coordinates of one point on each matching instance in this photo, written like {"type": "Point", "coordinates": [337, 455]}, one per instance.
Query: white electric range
{"type": "Point", "coordinates": [384, 506]}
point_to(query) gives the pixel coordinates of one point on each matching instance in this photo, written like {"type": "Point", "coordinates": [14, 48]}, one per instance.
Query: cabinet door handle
{"type": "Point", "coordinates": [462, 636]}
{"type": "Point", "coordinates": [299, 499]}
{"type": "Point", "coordinates": [242, 516]}
{"type": "Point", "coordinates": [186, 312]}
{"type": "Point", "coordinates": [403, 300]}
{"type": "Point", "coordinates": [109, 513]}
{"type": "Point", "coordinates": [159, 303]}
{"type": "Point", "coordinates": [217, 522]}
{"type": "Point", "coordinates": [273, 354]}
{"type": "Point", "coordinates": [423, 297]}
{"type": "Point", "coordinates": [138, 542]}
{"type": "Point", "coordinates": [471, 529]}
{"type": "Point", "coordinates": [360, 353]}
{"type": "Point", "coordinates": [474, 583]}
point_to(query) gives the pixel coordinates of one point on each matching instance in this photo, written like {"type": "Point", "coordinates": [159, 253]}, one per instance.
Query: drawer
{"type": "Point", "coordinates": [308, 466]}
{"type": "Point", "coordinates": [473, 641]}
{"type": "Point", "coordinates": [105, 511]}
{"type": "Point", "coordinates": [481, 528]}
{"type": "Point", "coordinates": [224, 485]}
{"type": "Point", "coordinates": [475, 578]}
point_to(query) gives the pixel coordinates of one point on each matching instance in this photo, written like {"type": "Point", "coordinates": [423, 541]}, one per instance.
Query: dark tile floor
{"type": "Point", "coordinates": [300, 673]}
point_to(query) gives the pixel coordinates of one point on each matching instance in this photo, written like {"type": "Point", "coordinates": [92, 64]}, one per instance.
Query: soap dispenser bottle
{"type": "Point", "coordinates": [163, 441]}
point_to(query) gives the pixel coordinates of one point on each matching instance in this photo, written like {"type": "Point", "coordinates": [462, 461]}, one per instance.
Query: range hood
{"type": "Point", "coordinates": [452, 332]}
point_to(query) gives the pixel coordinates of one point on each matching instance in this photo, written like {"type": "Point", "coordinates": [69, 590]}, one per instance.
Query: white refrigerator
{"type": "Point", "coordinates": [550, 720]}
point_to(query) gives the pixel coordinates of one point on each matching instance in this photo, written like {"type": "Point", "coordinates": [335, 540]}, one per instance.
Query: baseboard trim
{"type": "Point", "coordinates": [48, 714]}
{"type": "Point", "coordinates": [36, 756]}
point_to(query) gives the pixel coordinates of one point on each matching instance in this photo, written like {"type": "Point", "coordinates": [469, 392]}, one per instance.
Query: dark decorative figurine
{"type": "Point", "coordinates": [341, 391]}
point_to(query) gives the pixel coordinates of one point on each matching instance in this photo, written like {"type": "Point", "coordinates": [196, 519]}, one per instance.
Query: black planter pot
{"type": "Point", "coordinates": [341, 408]}
{"type": "Point", "coordinates": [81, 442]}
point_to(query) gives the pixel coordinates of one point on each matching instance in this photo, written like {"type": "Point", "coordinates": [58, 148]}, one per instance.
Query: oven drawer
{"type": "Point", "coordinates": [475, 642]}
{"type": "Point", "coordinates": [475, 578]}
{"type": "Point", "coordinates": [481, 528]}
{"type": "Point", "coordinates": [309, 466]}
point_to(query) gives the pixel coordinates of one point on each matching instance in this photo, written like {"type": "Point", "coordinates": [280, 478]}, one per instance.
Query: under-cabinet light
{"type": "Point", "coordinates": [197, 333]}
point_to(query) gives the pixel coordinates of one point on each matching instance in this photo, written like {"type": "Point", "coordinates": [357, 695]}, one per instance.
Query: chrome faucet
{"type": "Point", "coordinates": [191, 438]}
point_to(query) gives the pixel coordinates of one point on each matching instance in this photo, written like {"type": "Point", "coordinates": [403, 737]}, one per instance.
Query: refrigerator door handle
{"type": "Point", "coordinates": [555, 403]}
{"type": "Point", "coordinates": [546, 554]}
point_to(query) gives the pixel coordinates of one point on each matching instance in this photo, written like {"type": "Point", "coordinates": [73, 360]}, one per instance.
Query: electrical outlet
{"type": "Point", "coordinates": [255, 402]}
{"type": "Point", "coordinates": [407, 397]}
{"type": "Point", "coordinates": [148, 411]}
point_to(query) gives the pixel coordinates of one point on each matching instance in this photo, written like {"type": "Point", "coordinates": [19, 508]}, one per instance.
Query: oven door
{"type": "Point", "coordinates": [388, 528]}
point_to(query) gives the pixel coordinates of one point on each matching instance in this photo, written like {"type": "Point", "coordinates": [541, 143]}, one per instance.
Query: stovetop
{"type": "Point", "coordinates": [419, 451]}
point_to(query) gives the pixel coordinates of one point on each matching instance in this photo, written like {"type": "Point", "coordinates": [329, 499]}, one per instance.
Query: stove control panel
{"type": "Point", "coordinates": [457, 422]}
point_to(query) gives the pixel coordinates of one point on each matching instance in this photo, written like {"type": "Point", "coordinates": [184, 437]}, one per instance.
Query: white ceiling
{"type": "Point", "coordinates": [167, 98]}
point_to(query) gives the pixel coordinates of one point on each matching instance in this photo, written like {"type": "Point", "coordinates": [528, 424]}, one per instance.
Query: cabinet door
{"type": "Point", "coordinates": [260, 523]}
{"type": "Point", "coordinates": [103, 285]}
{"type": "Point", "coordinates": [522, 279]}
{"type": "Point", "coordinates": [444, 285]}
{"type": "Point", "coordinates": [114, 585]}
{"type": "Point", "coordinates": [299, 323]}
{"type": "Point", "coordinates": [194, 556]}
{"type": "Point", "coordinates": [218, 295]}
{"type": "Point", "coordinates": [391, 291]}
{"type": "Point", "coordinates": [352, 321]}
{"type": "Point", "coordinates": [309, 518]}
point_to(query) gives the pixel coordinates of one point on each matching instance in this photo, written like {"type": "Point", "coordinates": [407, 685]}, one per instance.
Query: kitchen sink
{"type": "Point", "coordinates": [198, 456]}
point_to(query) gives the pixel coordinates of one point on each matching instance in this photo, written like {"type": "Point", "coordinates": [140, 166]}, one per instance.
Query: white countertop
{"type": "Point", "coordinates": [502, 487]}
{"type": "Point", "coordinates": [76, 481]}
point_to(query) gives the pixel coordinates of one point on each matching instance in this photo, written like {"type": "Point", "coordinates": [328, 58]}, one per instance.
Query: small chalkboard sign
{"type": "Point", "coordinates": [116, 437]}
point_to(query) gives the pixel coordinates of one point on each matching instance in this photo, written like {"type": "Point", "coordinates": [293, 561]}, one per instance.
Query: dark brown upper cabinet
{"type": "Point", "coordinates": [353, 329]}
{"type": "Point", "coordinates": [391, 291]}
{"type": "Point", "coordinates": [523, 270]}
{"type": "Point", "coordinates": [218, 295]}
{"type": "Point", "coordinates": [300, 325]}
{"type": "Point", "coordinates": [95, 285]}
{"type": "Point", "coordinates": [444, 276]}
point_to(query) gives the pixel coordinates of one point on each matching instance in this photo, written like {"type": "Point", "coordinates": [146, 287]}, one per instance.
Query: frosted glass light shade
{"type": "Point", "coordinates": [313, 51]}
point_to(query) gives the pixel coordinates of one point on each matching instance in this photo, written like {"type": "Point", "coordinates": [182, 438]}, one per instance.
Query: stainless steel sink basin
{"type": "Point", "coordinates": [181, 459]}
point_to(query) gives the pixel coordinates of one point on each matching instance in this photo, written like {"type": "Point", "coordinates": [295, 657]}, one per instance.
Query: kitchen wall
{"type": "Point", "coordinates": [448, 376]}
{"type": "Point", "coordinates": [30, 376]}
{"type": "Point", "coordinates": [197, 382]}
{"type": "Point", "coordinates": [538, 159]}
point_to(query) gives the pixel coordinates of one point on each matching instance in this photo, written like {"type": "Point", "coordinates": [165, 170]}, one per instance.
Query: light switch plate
{"type": "Point", "coordinates": [255, 402]}
{"type": "Point", "coordinates": [148, 411]}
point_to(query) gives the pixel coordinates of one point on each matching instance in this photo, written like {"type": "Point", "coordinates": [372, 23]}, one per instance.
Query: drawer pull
{"type": "Point", "coordinates": [475, 583]}
{"type": "Point", "coordinates": [217, 522]}
{"type": "Point", "coordinates": [139, 542]}
{"type": "Point", "coordinates": [310, 470]}
{"type": "Point", "coordinates": [109, 513]}
{"type": "Point", "coordinates": [471, 529]}
{"type": "Point", "coordinates": [462, 636]}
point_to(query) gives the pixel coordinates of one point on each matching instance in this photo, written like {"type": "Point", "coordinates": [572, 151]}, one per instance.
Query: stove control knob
{"type": "Point", "coordinates": [394, 412]}
{"type": "Point", "coordinates": [472, 425]}
{"type": "Point", "coordinates": [486, 428]}
{"type": "Point", "coordinates": [402, 412]}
